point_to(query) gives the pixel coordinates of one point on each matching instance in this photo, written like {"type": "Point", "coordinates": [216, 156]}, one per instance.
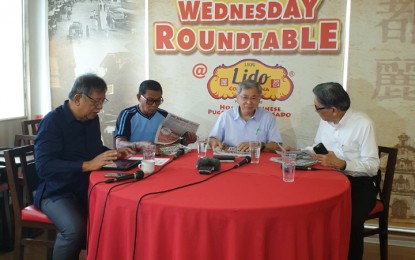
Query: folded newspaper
{"type": "Point", "coordinates": [171, 149]}
{"type": "Point", "coordinates": [173, 128]}
{"type": "Point", "coordinates": [303, 159]}
{"type": "Point", "coordinates": [230, 150]}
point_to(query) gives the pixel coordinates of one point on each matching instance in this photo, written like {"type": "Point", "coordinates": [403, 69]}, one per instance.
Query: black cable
{"type": "Point", "coordinates": [89, 195]}
{"type": "Point", "coordinates": [105, 203]}
{"type": "Point", "coordinates": [103, 211]}
{"type": "Point", "coordinates": [165, 191]}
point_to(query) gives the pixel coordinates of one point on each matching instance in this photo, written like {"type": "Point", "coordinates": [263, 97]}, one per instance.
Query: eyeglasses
{"type": "Point", "coordinates": [96, 102]}
{"type": "Point", "coordinates": [252, 99]}
{"type": "Point", "coordinates": [150, 101]}
{"type": "Point", "coordinates": [319, 108]}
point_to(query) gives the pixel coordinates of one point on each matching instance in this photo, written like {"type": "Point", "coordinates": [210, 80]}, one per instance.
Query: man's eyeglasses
{"type": "Point", "coordinates": [96, 102]}
{"type": "Point", "coordinates": [252, 99]}
{"type": "Point", "coordinates": [319, 108]}
{"type": "Point", "coordinates": [150, 101]}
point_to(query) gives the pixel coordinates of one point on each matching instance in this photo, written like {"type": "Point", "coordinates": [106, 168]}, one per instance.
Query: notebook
{"type": "Point", "coordinates": [122, 165]}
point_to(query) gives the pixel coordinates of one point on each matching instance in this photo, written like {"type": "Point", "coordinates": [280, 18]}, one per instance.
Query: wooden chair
{"type": "Point", "coordinates": [19, 140]}
{"type": "Point", "coordinates": [30, 127]}
{"type": "Point", "coordinates": [381, 209]}
{"type": "Point", "coordinates": [23, 140]}
{"type": "Point", "coordinates": [26, 215]}
{"type": "Point", "coordinates": [5, 214]}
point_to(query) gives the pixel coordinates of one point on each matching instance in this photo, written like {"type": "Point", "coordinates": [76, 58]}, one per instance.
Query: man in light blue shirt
{"type": "Point", "coordinates": [246, 122]}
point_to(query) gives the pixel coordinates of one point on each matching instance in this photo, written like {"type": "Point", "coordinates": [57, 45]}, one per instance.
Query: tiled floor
{"type": "Point", "coordinates": [403, 251]}
{"type": "Point", "coordinates": [401, 247]}
{"type": "Point", "coordinates": [34, 253]}
{"type": "Point", "coordinates": [395, 252]}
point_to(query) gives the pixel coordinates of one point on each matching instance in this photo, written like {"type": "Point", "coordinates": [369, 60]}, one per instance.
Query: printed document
{"type": "Point", "coordinates": [173, 128]}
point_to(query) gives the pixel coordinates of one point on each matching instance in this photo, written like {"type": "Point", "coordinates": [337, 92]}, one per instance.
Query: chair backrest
{"type": "Point", "coordinates": [23, 140]}
{"type": "Point", "coordinates": [388, 173]}
{"type": "Point", "coordinates": [20, 160]}
{"type": "Point", "coordinates": [30, 127]}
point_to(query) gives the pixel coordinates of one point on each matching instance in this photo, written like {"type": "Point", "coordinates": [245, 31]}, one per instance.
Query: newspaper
{"type": "Point", "coordinates": [173, 128]}
{"type": "Point", "coordinates": [298, 162]}
{"type": "Point", "coordinates": [231, 151]}
{"type": "Point", "coordinates": [171, 149]}
{"type": "Point", "coordinates": [303, 159]}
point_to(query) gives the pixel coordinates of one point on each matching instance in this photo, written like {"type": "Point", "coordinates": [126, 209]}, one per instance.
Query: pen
{"type": "Point", "coordinates": [282, 148]}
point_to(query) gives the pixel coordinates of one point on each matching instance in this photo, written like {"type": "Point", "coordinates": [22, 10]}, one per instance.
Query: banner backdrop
{"type": "Point", "coordinates": [381, 82]}
{"type": "Point", "coordinates": [200, 50]}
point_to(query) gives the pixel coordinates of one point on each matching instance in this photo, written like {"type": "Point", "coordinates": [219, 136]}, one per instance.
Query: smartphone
{"type": "Point", "coordinates": [113, 174]}
{"type": "Point", "coordinates": [320, 149]}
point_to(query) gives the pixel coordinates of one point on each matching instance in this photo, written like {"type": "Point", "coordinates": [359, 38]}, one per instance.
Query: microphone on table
{"type": "Point", "coordinates": [138, 175]}
{"type": "Point", "coordinates": [179, 152]}
{"type": "Point", "coordinates": [246, 160]}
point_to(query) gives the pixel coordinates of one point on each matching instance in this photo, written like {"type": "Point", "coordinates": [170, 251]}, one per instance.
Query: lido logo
{"type": "Point", "coordinates": [275, 81]}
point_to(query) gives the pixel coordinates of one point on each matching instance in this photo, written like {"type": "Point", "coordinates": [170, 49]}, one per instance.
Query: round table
{"type": "Point", "coordinates": [245, 213]}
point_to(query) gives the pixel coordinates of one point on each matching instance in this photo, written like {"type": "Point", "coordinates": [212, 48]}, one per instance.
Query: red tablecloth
{"type": "Point", "coordinates": [245, 213]}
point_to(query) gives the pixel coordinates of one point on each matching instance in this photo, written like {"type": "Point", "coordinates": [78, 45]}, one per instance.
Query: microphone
{"type": "Point", "coordinates": [138, 175]}
{"type": "Point", "coordinates": [246, 160]}
{"type": "Point", "coordinates": [179, 152]}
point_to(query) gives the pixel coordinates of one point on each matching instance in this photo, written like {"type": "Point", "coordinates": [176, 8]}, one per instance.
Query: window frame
{"type": "Point", "coordinates": [19, 100]}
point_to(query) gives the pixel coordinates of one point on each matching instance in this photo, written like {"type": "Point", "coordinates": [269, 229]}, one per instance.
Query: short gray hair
{"type": "Point", "coordinates": [248, 84]}
{"type": "Point", "coordinates": [332, 94]}
{"type": "Point", "coordinates": [86, 84]}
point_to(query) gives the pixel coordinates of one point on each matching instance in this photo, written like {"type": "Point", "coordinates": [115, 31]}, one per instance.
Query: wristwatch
{"type": "Point", "coordinates": [262, 146]}
{"type": "Point", "coordinates": [344, 167]}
